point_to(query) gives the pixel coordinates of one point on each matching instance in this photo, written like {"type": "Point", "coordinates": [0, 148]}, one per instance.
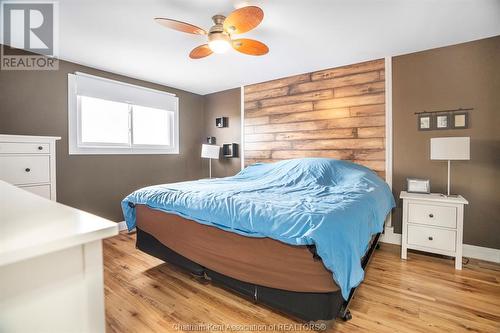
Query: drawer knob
{"type": "Point", "coordinates": [431, 215]}
{"type": "Point", "coordinates": [27, 169]}
{"type": "Point", "coordinates": [430, 238]}
{"type": "Point", "coordinates": [40, 148]}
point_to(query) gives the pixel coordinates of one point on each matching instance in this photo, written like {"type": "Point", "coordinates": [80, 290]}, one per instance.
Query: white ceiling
{"type": "Point", "coordinates": [120, 36]}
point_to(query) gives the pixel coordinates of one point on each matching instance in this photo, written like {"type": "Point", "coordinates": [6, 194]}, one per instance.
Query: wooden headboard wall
{"type": "Point", "coordinates": [336, 113]}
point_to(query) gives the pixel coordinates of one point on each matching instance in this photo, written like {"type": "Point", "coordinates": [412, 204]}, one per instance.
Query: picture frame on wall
{"type": "Point", "coordinates": [424, 122]}
{"type": "Point", "coordinates": [460, 120]}
{"type": "Point", "coordinates": [442, 121]}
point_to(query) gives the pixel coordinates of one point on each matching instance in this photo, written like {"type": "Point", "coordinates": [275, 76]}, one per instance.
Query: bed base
{"type": "Point", "coordinates": [310, 307]}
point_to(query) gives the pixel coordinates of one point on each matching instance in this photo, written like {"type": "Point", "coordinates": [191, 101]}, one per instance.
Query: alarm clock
{"type": "Point", "coordinates": [415, 185]}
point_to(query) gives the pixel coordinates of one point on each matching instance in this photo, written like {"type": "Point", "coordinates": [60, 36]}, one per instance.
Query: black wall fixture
{"type": "Point", "coordinates": [230, 150]}
{"type": "Point", "coordinates": [221, 122]}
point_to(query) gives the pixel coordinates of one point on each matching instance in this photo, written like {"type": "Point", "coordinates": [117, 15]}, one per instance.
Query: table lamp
{"type": "Point", "coordinates": [450, 149]}
{"type": "Point", "coordinates": [211, 152]}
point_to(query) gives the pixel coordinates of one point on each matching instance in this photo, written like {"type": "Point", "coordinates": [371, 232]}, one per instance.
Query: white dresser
{"type": "Point", "coordinates": [433, 223]}
{"type": "Point", "coordinates": [30, 163]}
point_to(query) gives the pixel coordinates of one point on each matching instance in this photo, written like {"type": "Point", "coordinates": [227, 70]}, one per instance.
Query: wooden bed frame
{"type": "Point", "coordinates": [307, 306]}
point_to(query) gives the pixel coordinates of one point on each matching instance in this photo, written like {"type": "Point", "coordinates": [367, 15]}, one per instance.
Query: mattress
{"type": "Point", "coordinates": [261, 261]}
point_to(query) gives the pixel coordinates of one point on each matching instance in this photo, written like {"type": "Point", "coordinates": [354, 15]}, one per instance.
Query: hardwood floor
{"type": "Point", "coordinates": [422, 294]}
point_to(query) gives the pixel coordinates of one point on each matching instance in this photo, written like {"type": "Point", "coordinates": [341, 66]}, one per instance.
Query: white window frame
{"type": "Point", "coordinates": [77, 147]}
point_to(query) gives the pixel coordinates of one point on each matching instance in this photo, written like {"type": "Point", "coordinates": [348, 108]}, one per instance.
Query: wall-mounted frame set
{"type": "Point", "coordinates": [443, 119]}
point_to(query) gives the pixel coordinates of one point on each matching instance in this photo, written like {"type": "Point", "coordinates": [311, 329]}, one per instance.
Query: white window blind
{"type": "Point", "coordinates": [111, 117]}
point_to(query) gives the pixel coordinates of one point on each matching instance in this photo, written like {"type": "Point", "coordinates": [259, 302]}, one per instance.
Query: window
{"type": "Point", "coordinates": [110, 117]}
{"type": "Point", "coordinates": [103, 122]}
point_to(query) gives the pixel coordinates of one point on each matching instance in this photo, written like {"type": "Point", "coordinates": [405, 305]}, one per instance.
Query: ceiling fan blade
{"type": "Point", "coordinates": [180, 26]}
{"type": "Point", "coordinates": [200, 52]}
{"type": "Point", "coordinates": [243, 19]}
{"type": "Point", "coordinates": [250, 46]}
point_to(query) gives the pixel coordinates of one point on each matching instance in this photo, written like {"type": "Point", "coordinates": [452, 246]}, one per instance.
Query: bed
{"type": "Point", "coordinates": [295, 235]}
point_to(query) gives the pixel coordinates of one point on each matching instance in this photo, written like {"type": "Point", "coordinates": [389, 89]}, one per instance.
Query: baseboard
{"type": "Point", "coordinates": [479, 252]}
{"type": "Point", "coordinates": [470, 251]}
{"type": "Point", "coordinates": [123, 226]}
{"type": "Point", "coordinates": [390, 237]}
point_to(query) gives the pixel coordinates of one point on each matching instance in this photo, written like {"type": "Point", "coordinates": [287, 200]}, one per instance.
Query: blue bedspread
{"type": "Point", "coordinates": [335, 205]}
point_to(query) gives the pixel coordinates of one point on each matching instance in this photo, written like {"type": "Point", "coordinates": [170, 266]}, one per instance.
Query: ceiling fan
{"type": "Point", "coordinates": [220, 35]}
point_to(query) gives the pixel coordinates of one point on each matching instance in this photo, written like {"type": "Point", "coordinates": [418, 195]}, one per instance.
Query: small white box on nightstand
{"type": "Point", "coordinates": [433, 223]}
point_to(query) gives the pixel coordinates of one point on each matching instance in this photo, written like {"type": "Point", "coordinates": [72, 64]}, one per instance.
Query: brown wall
{"type": "Point", "coordinates": [464, 75]}
{"type": "Point", "coordinates": [35, 103]}
{"type": "Point", "coordinates": [228, 104]}
{"type": "Point", "coordinates": [336, 113]}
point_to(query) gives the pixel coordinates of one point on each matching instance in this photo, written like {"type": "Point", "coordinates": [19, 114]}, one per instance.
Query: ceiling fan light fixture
{"type": "Point", "coordinates": [219, 42]}
{"type": "Point", "coordinates": [220, 35]}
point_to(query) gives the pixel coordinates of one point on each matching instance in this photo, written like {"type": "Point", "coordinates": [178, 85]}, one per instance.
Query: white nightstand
{"type": "Point", "coordinates": [433, 223]}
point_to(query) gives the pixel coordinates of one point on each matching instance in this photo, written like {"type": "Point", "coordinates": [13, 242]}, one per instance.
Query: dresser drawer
{"type": "Point", "coordinates": [20, 170]}
{"type": "Point", "coordinates": [443, 216]}
{"type": "Point", "coordinates": [24, 148]}
{"type": "Point", "coordinates": [440, 239]}
{"type": "Point", "coordinates": [41, 190]}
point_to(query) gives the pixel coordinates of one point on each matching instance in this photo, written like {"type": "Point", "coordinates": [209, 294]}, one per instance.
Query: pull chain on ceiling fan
{"type": "Point", "coordinates": [220, 34]}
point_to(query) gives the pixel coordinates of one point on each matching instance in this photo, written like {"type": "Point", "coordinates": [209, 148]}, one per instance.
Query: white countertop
{"type": "Point", "coordinates": [31, 225]}
{"type": "Point", "coordinates": [434, 197]}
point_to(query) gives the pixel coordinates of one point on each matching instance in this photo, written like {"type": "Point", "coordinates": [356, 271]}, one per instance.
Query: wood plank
{"type": "Point", "coordinates": [368, 155]}
{"type": "Point", "coordinates": [268, 93]}
{"type": "Point", "coordinates": [279, 109]}
{"type": "Point", "coordinates": [288, 154]}
{"type": "Point", "coordinates": [251, 161]}
{"type": "Point", "coordinates": [335, 82]}
{"type": "Point", "coordinates": [306, 116]}
{"type": "Point", "coordinates": [267, 145]}
{"type": "Point", "coordinates": [258, 154]}
{"type": "Point", "coordinates": [349, 101]}
{"type": "Point", "coordinates": [367, 110]}
{"type": "Point", "coordinates": [356, 122]}
{"type": "Point", "coordinates": [360, 89]}
{"type": "Point", "coordinates": [340, 144]}
{"type": "Point", "coordinates": [292, 127]}
{"type": "Point", "coordinates": [371, 132]}
{"type": "Point", "coordinates": [306, 97]}
{"type": "Point", "coordinates": [249, 130]}
{"type": "Point", "coordinates": [339, 133]}
{"type": "Point", "coordinates": [373, 165]}
{"type": "Point", "coordinates": [256, 121]}
{"type": "Point", "coordinates": [382, 74]}
{"type": "Point", "coordinates": [251, 105]}
{"type": "Point", "coordinates": [277, 83]}
{"type": "Point", "coordinates": [259, 137]}
{"type": "Point", "coordinates": [347, 70]}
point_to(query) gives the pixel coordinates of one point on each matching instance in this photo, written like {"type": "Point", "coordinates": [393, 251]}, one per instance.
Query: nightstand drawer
{"type": "Point", "coordinates": [440, 239]}
{"type": "Point", "coordinates": [443, 216]}
{"type": "Point", "coordinates": [19, 170]}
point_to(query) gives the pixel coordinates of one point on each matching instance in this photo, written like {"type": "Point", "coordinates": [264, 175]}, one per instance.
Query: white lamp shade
{"type": "Point", "coordinates": [210, 151]}
{"type": "Point", "coordinates": [455, 148]}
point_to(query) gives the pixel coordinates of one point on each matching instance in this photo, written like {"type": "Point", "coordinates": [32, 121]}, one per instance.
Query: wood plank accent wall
{"type": "Point", "coordinates": [335, 113]}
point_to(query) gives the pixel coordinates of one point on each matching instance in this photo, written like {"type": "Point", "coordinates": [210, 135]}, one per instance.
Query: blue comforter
{"type": "Point", "coordinates": [335, 205]}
